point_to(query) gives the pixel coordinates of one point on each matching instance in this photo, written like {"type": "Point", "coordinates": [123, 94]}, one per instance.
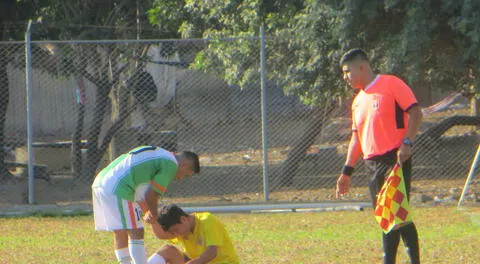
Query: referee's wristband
{"type": "Point", "coordinates": [347, 170]}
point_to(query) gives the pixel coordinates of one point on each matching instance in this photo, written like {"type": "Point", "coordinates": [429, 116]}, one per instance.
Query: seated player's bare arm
{"type": "Point", "coordinates": [207, 256]}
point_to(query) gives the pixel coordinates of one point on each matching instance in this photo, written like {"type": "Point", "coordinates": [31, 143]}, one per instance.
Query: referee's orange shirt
{"type": "Point", "coordinates": [379, 114]}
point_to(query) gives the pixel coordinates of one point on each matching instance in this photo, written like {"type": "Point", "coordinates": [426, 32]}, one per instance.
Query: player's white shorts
{"type": "Point", "coordinates": [113, 213]}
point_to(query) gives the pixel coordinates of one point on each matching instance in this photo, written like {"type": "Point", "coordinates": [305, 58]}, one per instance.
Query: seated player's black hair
{"type": "Point", "coordinates": [170, 215]}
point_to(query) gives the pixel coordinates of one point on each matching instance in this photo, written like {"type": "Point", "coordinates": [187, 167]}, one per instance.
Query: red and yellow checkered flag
{"type": "Point", "coordinates": [392, 208]}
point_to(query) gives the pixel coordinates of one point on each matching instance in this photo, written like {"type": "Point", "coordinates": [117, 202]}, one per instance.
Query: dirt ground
{"type": "Point", "coordinates": [64, 195]}
{"type": "Point", "coordinates": [236, 176]}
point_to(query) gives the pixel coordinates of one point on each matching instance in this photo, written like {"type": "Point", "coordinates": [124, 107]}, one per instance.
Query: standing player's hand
{"type": "Point", "coordinates": [343, 185]}
{"type": "Point", "coordinates": [404, 153]}
{"type": "Point", "coordinates": [149, 217]}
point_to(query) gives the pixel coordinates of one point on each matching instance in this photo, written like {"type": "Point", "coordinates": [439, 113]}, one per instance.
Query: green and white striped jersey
{"type": "Point", "coordinates": [131, 174]}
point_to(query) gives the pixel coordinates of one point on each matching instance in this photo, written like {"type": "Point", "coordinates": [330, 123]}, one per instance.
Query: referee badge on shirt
{"type": "Point", "coordinates": [375, 104]}
{"type": "Point", "coordinates": [200, 241]}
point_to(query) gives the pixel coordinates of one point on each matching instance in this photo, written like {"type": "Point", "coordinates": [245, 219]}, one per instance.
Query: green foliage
{"type": "Point", "coordinates": [302, 65]}
{"type": "Point", "coordinates": [14, 15]}
{"type": "Point", "coordinates": [429, 43]}
{"type": "Point", "coordinates": [93, 19]}
{"type": "Point", "coordinates": [466, 23]}
{"type": "Point", "coordinates": [306, 65]}
{"type": "Point", "coordinates": [168, 16]}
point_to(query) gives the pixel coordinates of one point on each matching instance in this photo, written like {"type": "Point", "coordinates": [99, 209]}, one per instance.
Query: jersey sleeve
{"type": "Point", "coordinates": [214, 231]}
{"type": "Point", "coordinates": [404, 95]}
{"type": "Point", "coordinates": [165, 175]}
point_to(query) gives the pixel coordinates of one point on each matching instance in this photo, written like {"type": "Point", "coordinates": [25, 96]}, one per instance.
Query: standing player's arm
{"type": "Point", "coordinates": [353, 155]}
{"type": "Point", "coordinates": [207, 256]}
{"type": "Point", "coordinates": [414, 121]}
{"type": "Point", "coordinates": [151, 205]}
{"type": "Point", "coordinates": [158, 185]}
{"type": "Point", "coordinates": [160, 233]}
{"type": "Point", "coordinates": [406, 99]}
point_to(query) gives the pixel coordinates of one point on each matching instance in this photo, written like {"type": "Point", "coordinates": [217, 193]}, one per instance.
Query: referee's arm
{"type": "Point", "coordinates": [353, 155]}
{"type": "Point", "coordinates": [354, 151]}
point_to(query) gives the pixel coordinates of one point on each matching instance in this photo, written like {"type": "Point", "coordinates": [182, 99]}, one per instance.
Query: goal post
{"type": "Point", "coordinates": [470, 176]}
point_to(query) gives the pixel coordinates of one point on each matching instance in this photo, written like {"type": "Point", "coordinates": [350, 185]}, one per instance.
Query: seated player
{"type": "Point", "coordinates": [195, 238]}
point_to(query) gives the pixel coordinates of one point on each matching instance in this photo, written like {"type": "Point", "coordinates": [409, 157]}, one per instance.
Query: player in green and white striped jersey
{"type": "Point", "coordinates": [129, 186]}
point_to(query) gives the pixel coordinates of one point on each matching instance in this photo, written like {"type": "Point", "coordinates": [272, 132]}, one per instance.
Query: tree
{"type": "Point", "coordinates": [308, 71]}
{"type": "Point", "coordinates": [432, 44]}
{"type": "Point", "coordinates": [100, 64]}
{"type": "Point", "coordinates": [13, 17]}
{"type": "Point", "coordinates": [5, 11]}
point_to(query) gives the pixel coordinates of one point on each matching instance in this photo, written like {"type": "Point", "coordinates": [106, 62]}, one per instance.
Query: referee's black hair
{"type": "Point", "coordinates": [352, 55]}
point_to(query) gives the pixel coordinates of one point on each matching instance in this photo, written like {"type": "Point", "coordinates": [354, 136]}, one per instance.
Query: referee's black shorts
{"type": "Point", "coordinates": [380, 167]}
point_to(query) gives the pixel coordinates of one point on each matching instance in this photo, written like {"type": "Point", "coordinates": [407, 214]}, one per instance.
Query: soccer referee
{"type": "Point", "coordinates": [385, 119]}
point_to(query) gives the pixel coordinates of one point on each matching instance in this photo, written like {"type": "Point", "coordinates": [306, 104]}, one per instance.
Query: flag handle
{"type": "Point", "coordinates": [470, 176]}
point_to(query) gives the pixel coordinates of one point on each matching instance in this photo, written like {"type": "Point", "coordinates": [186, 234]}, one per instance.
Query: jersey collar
{"type": "Point", "coordinates": [371, 83]}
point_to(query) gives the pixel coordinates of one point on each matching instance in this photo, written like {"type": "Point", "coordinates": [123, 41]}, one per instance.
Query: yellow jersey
{"type": "Point", "coordinates": [208, 231]}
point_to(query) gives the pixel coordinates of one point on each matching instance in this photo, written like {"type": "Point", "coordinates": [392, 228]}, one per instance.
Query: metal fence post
{"type": "Point", "coordinates": [264, 111]}
{"type": "Point", "coordinates": [28, 62]}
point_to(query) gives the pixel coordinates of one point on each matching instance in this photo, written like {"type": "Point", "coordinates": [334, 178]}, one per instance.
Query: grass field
{"type": "Point", "coordinates": [447, 235]}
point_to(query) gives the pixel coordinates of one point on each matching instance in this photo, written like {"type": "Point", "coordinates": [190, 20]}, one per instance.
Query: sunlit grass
{"type": "Point", "coordinates": [447, 235]}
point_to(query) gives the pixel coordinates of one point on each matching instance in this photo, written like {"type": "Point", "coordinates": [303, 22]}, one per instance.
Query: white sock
{"type": "Point", "coordinates": [156, 259]}
{"type": "Point", "coordinates": [137, 251]}
{"type": "Point", "coordinates": [123, 256]}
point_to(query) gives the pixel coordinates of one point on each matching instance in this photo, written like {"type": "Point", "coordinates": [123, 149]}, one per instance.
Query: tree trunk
{"type": "Point", "coordinates": [93, 153]}
{"type": "Point", "coordinates": [98, 152]}
{"type": "Point", "coordinates": [299, 150]}
{"type": "Point", "coordinates": [428, 145]}
{"type": "Point", "coordinates": [4, 98]}
{"type": "Point", "coordinates": [77, 136]}
{"type": "Point", "coordinates": [474, 106]}
{"type": "Point", "coordinates": [435, 132]}
{"type": "Point", "coordinates": [95, 148]}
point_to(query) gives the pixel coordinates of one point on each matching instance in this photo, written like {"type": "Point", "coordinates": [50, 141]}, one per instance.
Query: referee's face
{"type": "Point", "coordinates": [353, 74]}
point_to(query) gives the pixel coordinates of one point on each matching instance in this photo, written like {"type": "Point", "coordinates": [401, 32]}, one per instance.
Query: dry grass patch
{"type": "Point", "coordinates": [447, 235]}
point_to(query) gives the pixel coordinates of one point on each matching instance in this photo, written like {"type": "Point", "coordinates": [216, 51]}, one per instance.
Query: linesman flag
{"type": "Point", "coordinates": [392, 208]}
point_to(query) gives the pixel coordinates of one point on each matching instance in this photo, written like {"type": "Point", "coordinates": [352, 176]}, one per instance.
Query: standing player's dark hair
{"type": "Point", "coordinates": [193, 158]}
{"type": "Point", "coordinates": [170, 215]}
{"type": "Point", "coordinates": [352, 55]}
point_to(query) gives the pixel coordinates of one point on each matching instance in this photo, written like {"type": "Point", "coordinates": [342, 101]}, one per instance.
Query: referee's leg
{"type": "Point", "coordinates": [409, 232]}
{"type": "Point", "coordinates": [391, 240]}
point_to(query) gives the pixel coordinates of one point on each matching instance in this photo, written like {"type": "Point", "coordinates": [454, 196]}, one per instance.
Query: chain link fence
{"type": "Point", "coordinates": [94, 100]}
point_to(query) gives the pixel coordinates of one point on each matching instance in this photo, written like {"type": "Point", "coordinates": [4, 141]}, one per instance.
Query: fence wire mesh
{"type": "Point", "coordinates": [92, 101]}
